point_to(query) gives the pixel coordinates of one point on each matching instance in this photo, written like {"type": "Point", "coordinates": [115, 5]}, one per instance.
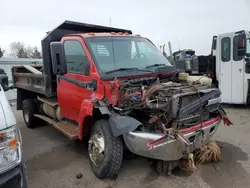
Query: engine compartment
{"type": "Point", "coordinates": [160, 104]}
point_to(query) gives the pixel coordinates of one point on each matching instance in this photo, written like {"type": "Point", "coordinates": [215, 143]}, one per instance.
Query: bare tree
{"type": "Point", "coordinates": [28, 50]}
{"type": "Point", "coordinates": [1, 52]}
{"type": "Point", "coordinates": [35, 54]}
{"type": "Point", "coordinates": [18, 50]}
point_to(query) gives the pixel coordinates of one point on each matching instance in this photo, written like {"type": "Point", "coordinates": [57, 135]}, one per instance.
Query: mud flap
{"type": "Point", "coordinates": [122, 124]}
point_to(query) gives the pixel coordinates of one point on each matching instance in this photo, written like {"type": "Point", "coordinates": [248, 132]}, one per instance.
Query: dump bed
{"type": "Point", "coordinates": [32, 79]}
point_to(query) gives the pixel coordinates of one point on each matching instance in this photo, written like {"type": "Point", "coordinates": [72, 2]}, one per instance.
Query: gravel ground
{"type": "Point", "coordinates": [53, 161]}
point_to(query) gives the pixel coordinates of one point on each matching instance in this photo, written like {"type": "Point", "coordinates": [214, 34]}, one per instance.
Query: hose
{"type": "Point", "coordinates": [148, 95]}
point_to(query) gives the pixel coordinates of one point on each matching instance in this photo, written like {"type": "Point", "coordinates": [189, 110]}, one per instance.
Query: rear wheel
{"type": "Point", "coordinates": [105, 150]}
{"type": "Point", "coordinates": [30, 108]}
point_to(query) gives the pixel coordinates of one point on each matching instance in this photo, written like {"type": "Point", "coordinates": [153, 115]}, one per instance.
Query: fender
{"type": "Point", "coordinates": [87, 107]}
{"type": "Point", "coordinates": [122, 124]}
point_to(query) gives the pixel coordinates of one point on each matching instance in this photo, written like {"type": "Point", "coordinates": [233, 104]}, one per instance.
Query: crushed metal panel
{"type": "Point", "coordinates": [123, 124]}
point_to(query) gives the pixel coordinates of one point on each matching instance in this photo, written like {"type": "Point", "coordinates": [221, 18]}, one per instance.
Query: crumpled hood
{"type": "Point", "coordinates": [7, 118]}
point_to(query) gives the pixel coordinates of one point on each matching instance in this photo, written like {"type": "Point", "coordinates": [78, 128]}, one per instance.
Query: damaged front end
{"type": "Point", "coordinates": [168, 119]}
{"type": "Point", "coordinates": [172, 146]}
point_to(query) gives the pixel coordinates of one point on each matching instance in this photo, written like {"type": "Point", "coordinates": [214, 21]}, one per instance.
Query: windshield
{"type": "Point", "coordinates": [124, 52]}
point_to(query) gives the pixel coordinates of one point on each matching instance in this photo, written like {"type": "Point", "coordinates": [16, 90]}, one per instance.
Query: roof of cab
{"type": "Point", "coordinates": [90, 35]}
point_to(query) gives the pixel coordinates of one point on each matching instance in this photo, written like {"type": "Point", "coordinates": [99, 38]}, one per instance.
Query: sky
{"type": "Point", "coordinates": [186, 23]}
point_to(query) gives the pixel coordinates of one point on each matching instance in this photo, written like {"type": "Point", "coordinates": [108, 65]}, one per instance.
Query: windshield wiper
{"type": "Point", "coordinates": [127, 69]}
{"type": "Point", "coordinates": [120, 69]}
{"type": "Point", "coordinates": [156, 65]}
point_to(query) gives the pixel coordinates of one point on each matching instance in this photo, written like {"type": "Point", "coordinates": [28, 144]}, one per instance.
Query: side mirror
{"type": "Point", "coordinates": [241, 44]}
{"type": "Point", "coordinates": [4, 82]}
{"type": "Point", "coordinates": [58, 58]}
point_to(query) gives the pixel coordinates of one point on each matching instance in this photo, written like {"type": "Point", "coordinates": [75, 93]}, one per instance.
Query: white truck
{"type": "Point", "coordinates": [12, 170]}
{"type": "Point", "coordinates": [232, 66]}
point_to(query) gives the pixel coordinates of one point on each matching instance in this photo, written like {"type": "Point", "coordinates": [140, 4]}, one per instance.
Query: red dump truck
{"type": "Point", "coordinates": [117, 90]}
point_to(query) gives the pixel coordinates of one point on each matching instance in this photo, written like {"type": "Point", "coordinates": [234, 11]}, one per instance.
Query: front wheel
{"type": "Point", "coordinates": [105, 150]}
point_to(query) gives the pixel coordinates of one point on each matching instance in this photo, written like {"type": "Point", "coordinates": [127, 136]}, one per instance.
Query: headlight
{"type": "Point", "coordinates": [10, 148]}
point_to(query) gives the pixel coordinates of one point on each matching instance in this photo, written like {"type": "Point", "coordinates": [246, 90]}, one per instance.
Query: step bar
{"type": "Point", "coordinates": [67, 128]}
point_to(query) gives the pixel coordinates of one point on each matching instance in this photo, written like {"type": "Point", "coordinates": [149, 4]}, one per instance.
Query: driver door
{"type": "Point", "coordinates": [70, 93]}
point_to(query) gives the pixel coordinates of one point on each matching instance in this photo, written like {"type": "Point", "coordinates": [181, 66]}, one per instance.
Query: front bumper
{"type": "Point", "coordinates": [171, 149]}
{"type": "Point", "coordinates": [14, 178]}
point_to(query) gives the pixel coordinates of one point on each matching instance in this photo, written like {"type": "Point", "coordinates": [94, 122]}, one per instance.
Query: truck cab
{"type": "Point", "coordinates": [232, 66]}
{"type": "Point", "coordinates": [186, 60]}
{"type": "Point", "coordinates": [94, 58]}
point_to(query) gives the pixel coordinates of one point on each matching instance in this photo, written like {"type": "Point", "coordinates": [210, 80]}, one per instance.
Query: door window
{"type": "Point", "coordinates": [247, 65]}
{"type": "Point", "coordinates": [225, 49]}
{"type": "Point", "coordinates": [248, 47]}
{"type": "Point", "coordinates": [236, 57]}
{"type": "Point", "coordinates": [76, 58]}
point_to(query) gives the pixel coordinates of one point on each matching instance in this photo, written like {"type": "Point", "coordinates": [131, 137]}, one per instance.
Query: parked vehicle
{"type": "Point", "coordinates": [118, 90]}
{"type": "Point", "coordinates": [12, 170]}
{"type": "Point", "coordinates": [191, 63]}
{"type": "Point", "coordinates": [228, 65]}
{"type": "Point", "coordinates": [186, 60]}
{"type": "Point", "coordinates": [232, 66]}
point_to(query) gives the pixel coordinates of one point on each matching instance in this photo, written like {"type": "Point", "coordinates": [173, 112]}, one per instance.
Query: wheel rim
{"type": "Point", "coordinates": [96, 148]}
{"type": "Point", "coordinates": [26, 115]}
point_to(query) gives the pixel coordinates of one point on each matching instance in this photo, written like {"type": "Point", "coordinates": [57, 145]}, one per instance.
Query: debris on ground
{"type": "Point", "coordinates": [79, 175]}
{"type": "Point", "coordinates": [210, 152]}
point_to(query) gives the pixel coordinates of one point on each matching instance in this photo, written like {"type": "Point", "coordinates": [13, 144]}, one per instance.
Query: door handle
{"type": "Point", "coordinates": [240, 70]}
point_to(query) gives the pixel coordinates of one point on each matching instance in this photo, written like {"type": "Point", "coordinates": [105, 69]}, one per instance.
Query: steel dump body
{"type": "Point", "coordinates": [37, 83]}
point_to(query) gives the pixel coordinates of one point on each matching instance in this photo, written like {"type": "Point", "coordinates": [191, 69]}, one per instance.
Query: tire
{"type": "Point", "coordinates": [30, 108]}
{"type": "Point", "coordinates": [113, 151]}
{"type": "Point", "coordinates": [162, 167]}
